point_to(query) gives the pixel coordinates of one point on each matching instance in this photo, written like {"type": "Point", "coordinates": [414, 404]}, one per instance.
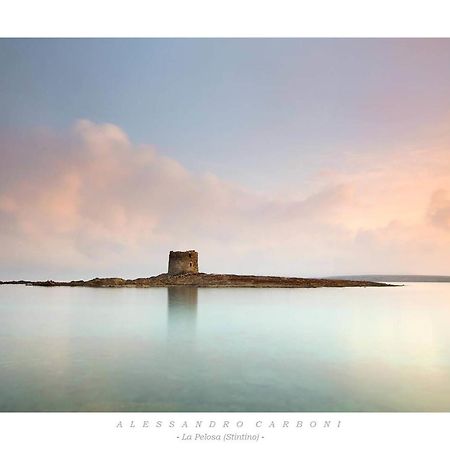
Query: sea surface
{"type": "Point", "coordinates": [188, 349]}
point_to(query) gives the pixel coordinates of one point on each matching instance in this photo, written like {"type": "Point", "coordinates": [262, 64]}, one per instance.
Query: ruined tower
{"type": "Point", "coordinates": [183, 262]}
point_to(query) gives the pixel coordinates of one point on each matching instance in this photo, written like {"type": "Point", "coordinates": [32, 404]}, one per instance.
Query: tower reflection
{"type": "Point", "coordinates": [182, 310]}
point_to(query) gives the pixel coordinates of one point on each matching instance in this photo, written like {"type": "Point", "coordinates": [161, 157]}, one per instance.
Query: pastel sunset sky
{"type": "Point", "coordinates": [305, 157]}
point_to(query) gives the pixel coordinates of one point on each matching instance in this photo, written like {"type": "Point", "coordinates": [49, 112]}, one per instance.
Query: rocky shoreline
{"type": "Point", "coordinates": [206, 280]}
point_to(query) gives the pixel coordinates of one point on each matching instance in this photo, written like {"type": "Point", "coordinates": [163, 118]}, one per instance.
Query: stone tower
{"type": "Point", "coordinates": [183, 262]}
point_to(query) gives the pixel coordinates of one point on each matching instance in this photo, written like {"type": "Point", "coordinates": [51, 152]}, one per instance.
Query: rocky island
{"type": "Point", "coordinates": [183, 271]}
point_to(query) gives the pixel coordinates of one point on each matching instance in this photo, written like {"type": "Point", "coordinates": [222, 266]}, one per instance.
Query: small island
{"type": "Point", "coordinates": [183, 271]}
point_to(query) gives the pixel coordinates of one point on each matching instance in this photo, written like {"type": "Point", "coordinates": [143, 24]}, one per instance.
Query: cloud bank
{"type": "Point", "coordinates": [89, 202]}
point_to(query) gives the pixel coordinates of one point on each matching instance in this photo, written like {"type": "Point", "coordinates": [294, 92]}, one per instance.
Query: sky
{"type": "Point", "coordinates": [304, 157]}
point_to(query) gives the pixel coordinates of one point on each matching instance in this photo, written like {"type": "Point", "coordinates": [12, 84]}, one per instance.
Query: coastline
{"type": "Point", "coordinates": [206, 280]}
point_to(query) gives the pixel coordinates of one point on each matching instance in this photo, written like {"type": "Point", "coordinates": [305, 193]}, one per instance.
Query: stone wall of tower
{"type": "Point", "coordinates": [183, 262]}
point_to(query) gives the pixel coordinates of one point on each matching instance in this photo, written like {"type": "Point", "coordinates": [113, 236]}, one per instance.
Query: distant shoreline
{"type": "Point", "coordinates": [207, 280]}
{"type": "Point", "coordinates": [397, 278]}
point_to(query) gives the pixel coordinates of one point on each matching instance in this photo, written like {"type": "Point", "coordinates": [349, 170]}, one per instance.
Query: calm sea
{"type": "Point", "coordinates": [187, 349]}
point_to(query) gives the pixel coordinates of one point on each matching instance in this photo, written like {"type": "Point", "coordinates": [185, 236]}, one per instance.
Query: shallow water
{"type": "Point", "coordinates": [183, 349]}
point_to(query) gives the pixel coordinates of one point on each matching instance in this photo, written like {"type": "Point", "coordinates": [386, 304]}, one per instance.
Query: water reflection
{"type": "Point", "coordinates": [81, 349]}
{"type": "Point", "coordinates": [182, 310]}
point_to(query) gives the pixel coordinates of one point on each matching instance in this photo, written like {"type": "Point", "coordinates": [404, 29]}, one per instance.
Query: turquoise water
{"type": "Point", "coordinates": [183, 349]}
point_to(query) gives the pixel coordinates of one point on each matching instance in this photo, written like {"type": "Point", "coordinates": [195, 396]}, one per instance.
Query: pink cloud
{"type": "Point", "coordinates": [89, 202]}
{"type": "Point", "coordinates": [439, 209]}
